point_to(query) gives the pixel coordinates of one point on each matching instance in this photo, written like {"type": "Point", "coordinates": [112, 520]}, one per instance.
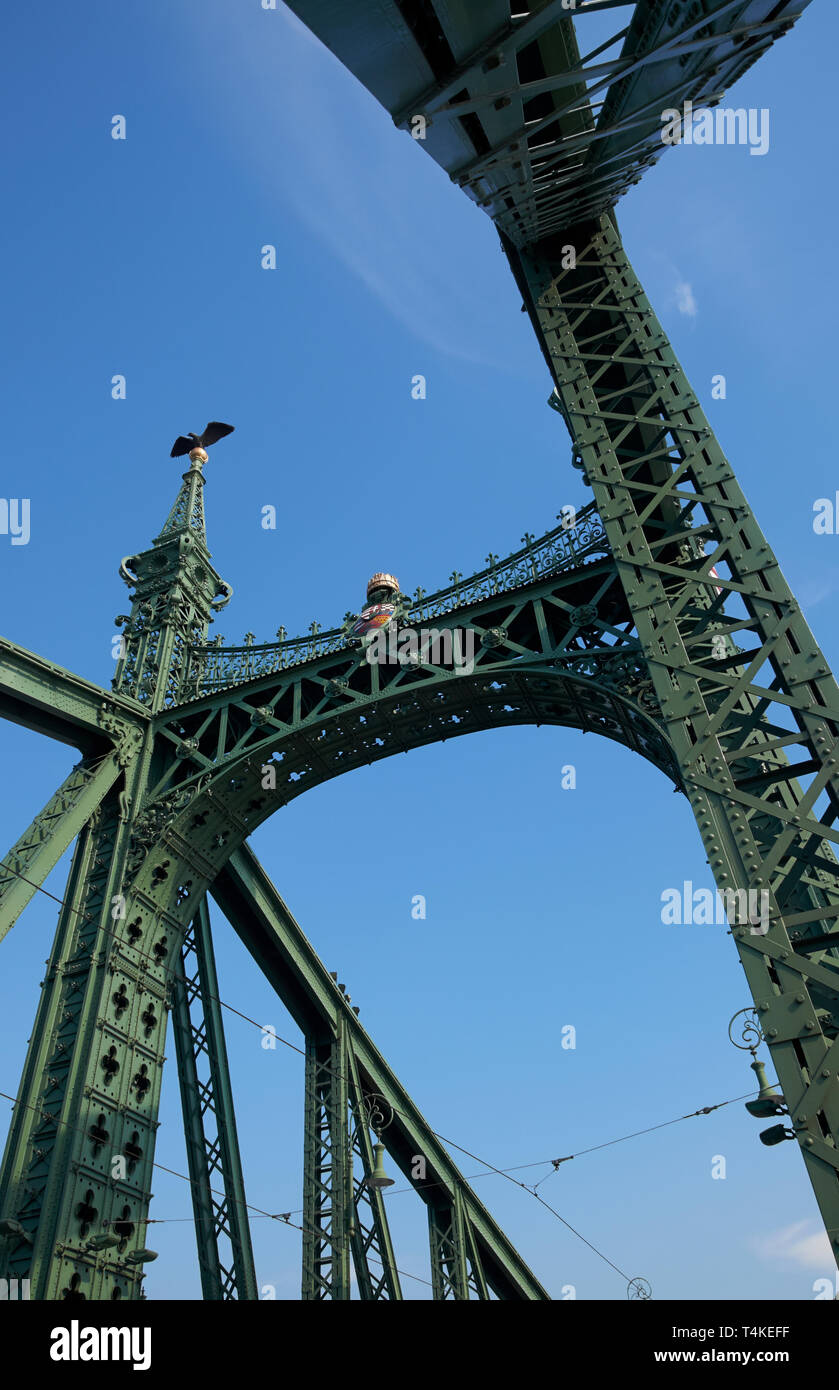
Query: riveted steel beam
{"type": "Point", "coordinates": [36, 853]}
{"type": "Point", "coordinates": [514, 113]}
{"type": "Point", "coordinates": [45, 697]}
{"type": "Point", "coordinates": [261, 918]}
{"type": "Point", "coordinates": [327, 1170]}
{"type": "Point", "coordinates": [222, 1232]}
{"type": "Point", "coordinates": [755, 725]}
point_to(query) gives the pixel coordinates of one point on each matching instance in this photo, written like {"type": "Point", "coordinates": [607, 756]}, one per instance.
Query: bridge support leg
{"type": "Point", "coordinates": [372, 1248]}
{"type": "Point", "coordinates": [210, 1123]}
{"type": "Point", "coordinates": [327, 1174]}
{"type": "Point", "coordinates": [455, 1263]}
{"type": "Point", "coordinates": [343, 1217]}
{"type": "Point", "coordinates": [754, 725]}
{"type": "Point", "coordinates": [78, 1157]}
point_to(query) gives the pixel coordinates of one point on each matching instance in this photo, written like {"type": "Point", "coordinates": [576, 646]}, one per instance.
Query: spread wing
{"type": "Point", "coordinates": [214, 431]}
{"type": "Point", "coordinates": [181, 446]}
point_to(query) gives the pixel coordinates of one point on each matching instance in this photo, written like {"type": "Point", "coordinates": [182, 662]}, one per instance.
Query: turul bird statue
{"type": "Point", "coordinates": [185, 443]}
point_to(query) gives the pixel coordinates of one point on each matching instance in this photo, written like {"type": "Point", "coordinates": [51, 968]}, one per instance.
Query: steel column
{"type": "Point", "coordinates": [694, 566]}
{"type": "Point", "coordinates": [210, 1121]}
{"type": "Point", "coordinates": [327, 1170]}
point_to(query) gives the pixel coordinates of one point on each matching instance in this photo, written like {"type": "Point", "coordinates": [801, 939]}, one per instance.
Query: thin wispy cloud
{"type": "Point", "coordinates": [800, 1244]}
{"type": "Point", "coordinates": [813, 592]}
{"type": "Point", "coordinates": [685, 299]}
{"type": "Point", "coordinates": [324, 147]}
{"type": "Point", "coordinates": [672, 287]}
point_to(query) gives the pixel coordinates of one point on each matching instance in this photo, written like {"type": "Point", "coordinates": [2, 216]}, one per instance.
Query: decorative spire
{"type": "Point", "coordinates": [187, 514]}
{"type": "Point", "coordinates": [176, 590]}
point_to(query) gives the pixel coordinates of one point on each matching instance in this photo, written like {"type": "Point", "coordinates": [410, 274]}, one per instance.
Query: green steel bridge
{"type": "Point", "coordinates": [657, 616]}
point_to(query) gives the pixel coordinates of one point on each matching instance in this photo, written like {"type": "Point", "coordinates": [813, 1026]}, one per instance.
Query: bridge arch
{"type": "Point", "coordinates": [184, 840]}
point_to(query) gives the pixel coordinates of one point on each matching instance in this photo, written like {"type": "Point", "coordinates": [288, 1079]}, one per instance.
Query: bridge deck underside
{"type": "Point", "coordinates": [539, 133]}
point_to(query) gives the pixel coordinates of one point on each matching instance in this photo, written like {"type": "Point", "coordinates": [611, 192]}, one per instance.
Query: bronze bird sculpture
{"type": "Point", "coordinates": [185, 443]}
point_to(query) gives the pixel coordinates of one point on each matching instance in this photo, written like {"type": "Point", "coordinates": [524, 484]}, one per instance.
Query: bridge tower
{"type": "Point", "coordinates": [660, 618]}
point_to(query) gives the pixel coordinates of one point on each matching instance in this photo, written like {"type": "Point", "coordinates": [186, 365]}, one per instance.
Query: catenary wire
{"type": "Point", "coordinates": [489, 1167]}
{"type": "Point", "coordinates": [283, 1217]}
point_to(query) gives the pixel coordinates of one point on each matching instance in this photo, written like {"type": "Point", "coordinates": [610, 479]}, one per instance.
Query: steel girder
{"type": "Point", "coordinates": [456, 1268]}
{"type": "Point", "coordinates": [45, 697]}
{"type": "Point", "coordinates": [222, 1232]}
{"type": "Point", "coordinates": [621, 643]}
{"type": "Point", "coordinates": [343, 1215]}
{"type": "Point", "coordinates": [558, 650]}
{"type": "Point", "coordinates": [537, 135]}
{"type": "Point", "coordinates": [327, 1176]}
{"type": "Point", "coordinates": [53, 830]}
{"type": "Point", "coordinates": [754, 722]}
{"type": "Point", "coordinates": [107, 727]}
{"type": "Point", "coordinates": [555, 651]}
{"type": "Point", "coordinates": [346, 1074]}
{"type": "Point", "coordinates": [712, 675]}
{"type": "Point", "coordinates": [371, 1244]}
{"type": "Point", "coordinates": [87, 1101]}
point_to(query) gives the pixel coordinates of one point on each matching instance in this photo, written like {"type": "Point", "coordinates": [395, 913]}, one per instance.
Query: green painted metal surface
{"type": "Point", "coordinates": [658, 617]}
{"type": "Point", "coordinates": [747, 701]}
{"type": "Point", "coordinates": [263, 921]}
{"type": "Point", "coordinates": [44, 697]}
{"type": "Point", "coordinates": [536, 132]}
{"type": "Point", "coordinates": [39, 849]}
{"type": "Point", "coordinates": [222, 1233]}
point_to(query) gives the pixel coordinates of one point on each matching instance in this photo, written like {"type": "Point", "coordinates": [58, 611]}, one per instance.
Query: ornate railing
{"type": "Point", "coordinates": [211, 666]}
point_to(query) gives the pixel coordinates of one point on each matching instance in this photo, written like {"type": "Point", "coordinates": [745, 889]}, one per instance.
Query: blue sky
{"type": "Point", "coordinates": [142, 257]}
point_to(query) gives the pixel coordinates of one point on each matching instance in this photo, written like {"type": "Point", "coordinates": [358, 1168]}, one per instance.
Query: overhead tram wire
{"type": "Point", "coordinates": [555, 1163]}
{"type": "Point", "coordinates": [144, 955]}
{"type": "Point", "coordinates": [489, 1167]}
{"type": "Point", "coordinates": [490, 1171]}
{"type": "Point", "coordinates": [284, 1218]}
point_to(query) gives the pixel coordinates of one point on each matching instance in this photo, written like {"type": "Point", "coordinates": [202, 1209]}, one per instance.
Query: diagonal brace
{"type": "Point", "coordinates": [258, 914]}
{"type": "Point", "coordinates": [40, 847]}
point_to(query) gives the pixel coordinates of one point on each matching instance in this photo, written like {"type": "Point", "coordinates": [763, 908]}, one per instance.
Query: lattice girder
{"type": "Point", "coordinates": [215, 1168]}
{"type": "Point", "coordinates": [89, 1091]}
{"type": "Point", "coordinates": [456, 1269]}
{"type": "Point", "coordinates": [266, 927]}
{"type": "Point", "coordinates": [343, 1216]}
{"type": "Point", "coordinates": [538, 134]}
{"type": "Point", "coordinates": [327, 1172]}
{"type": "Point", "coordinates": [733, 716]}
{"type": "Point", "coordinates": [562, 647]}
{"type": "Point", "coordinates": [27, 864]}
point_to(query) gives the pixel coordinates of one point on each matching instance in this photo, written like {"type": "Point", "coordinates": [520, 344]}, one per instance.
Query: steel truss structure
{"type": "Point", "coordinates": [656, 616]}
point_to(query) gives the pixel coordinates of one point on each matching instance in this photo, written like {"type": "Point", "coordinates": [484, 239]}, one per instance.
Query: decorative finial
{"type": "Point", "coordinates": [383, 581]}
{"type": "Point", "coordinates": [196, 445]}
